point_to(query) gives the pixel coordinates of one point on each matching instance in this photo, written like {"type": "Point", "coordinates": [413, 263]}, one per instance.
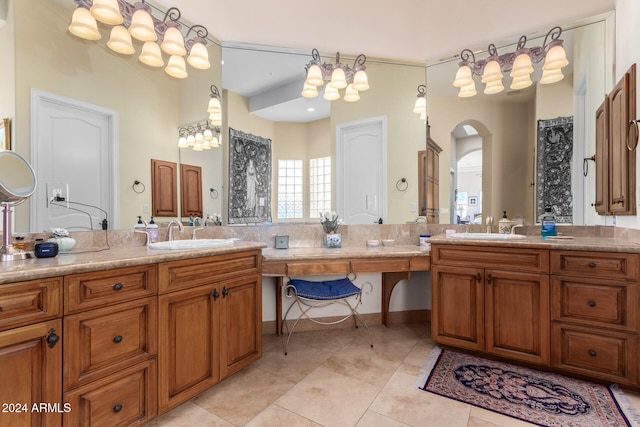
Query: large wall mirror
{"type": "Point", "coordinates": [488, 163]}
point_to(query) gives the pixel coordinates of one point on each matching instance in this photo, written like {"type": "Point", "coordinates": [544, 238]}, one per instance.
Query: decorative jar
{"type": "Point", "coordinates": [333, 240]}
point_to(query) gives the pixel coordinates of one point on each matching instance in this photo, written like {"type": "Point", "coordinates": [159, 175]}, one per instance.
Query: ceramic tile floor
{"type": "Point", "coordinates": [333, 378]}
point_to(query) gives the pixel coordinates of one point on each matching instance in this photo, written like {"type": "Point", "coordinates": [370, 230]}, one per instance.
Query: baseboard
{"type": "Point", "coordinates": [395, 318]}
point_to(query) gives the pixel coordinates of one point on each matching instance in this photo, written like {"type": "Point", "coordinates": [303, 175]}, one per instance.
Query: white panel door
{"type": "Point", "coordinates": [361, 171]}
{"type": "Point", "coordinates": [72, 150]}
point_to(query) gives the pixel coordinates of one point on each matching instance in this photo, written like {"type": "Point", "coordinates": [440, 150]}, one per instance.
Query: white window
{"type": "Point", "coordinates": [290, 189]}
{"type": "Point", "coordinates": [319, 186]}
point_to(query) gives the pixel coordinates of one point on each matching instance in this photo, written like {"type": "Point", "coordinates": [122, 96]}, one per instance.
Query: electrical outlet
{"type": "Point", "coordinates": [413, 207]}
{"type": "Point", "coordinates": [57, 192]}
{"type": "Point", "coordinates": [145, 209]}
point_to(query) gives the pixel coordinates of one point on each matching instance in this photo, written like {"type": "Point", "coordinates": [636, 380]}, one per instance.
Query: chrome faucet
{"type": "Point", "coordinates": [489, 222]}
{"type": "Point", "coordinates": [146, 233]}
{"type": "Point", "coordinates": [197, 220]}
{"type": "Point", "coordinates": [170, 228]}
{"type": "Point", "coordinates": [420, 219]}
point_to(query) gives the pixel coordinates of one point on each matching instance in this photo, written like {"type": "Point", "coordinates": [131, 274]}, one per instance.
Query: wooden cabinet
{"type": "Point", "coordinates": [481, 301]}
{"type": "Point", "coordinates": [615, 154]}
{"type": "Point", "coordinates": [31, 361]}
{"type": "Point", "coordinates": [594, 313]}
{"type": "Point", "coordinates": [164, 188]}
{"type": "Point", "coordinates": [429, 180]}
{"type": "Point", "coordinates": [28, 302]}
{"type": "Point", "coordinates": [210, 321]}
{"type": "Point", "coordinates": [191, 190]}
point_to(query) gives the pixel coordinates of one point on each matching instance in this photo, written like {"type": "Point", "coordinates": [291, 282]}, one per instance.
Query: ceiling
{"type": "Point", "coordinates": [423, 31]}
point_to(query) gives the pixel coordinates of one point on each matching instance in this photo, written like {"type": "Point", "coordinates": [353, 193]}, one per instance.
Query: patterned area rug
{"type": "Point", "coordinates": [537, 397]}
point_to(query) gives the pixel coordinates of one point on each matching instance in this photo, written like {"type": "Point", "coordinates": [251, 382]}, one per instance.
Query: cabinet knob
{"type": "Point", "coordinates": [592, 265]}
{"type": "Point", "coordinates": [225, 292]}
{"type": "Point", "coordinates": [52, 338]}
{"type": "Point", "coordinates": [215, 294]}
{"type": "Point", "coordinates": [0, 309]}
{"type": "Point", "coordinates": [489, 278]}
{"type": "Point", "coordinates": [592, 353]}
{"type": "Point", "coordinates": [592, 303]}
{"type": "Point", "coordinates": [478, 278]}
{"type": "Point", "coordinates": [117, 339]}
{"type": "Point", "coordinates": [117, 408]}
{"type": "Point", "coordinates": [118, 286]}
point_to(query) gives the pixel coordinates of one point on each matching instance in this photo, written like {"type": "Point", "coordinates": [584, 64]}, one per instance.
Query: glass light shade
{"type": "Point", "coordinates": [84, 25]}
{"type": "Point", "coordinates": [493, 87]}
{"type": "Point", "coordinates": [463, 77]}
{"type": "Point", "coordinates": [151, 55]}
{"type": "Point", "coordinates": [556, 58]}
{"type": "Point", "coordinates": [309, 91]}
{"type": "Point", "coordinates": [360, 81]}
{"type": "Point", "coordinates": [492, 72]}
{"type": "Point", "coordinates": [191, 140]}
{"type": "Point", "coordinates": [420, 105]}
{"type": "Point", "coordinates": [314, 76]}
{"type": "Point", "coordinates": [522, 66]}
{"type": "Point", "coordinates": [216, 119]}
{"type": "Point", "coordinates": [107, 11]}
{"type": "Point", "coordinates": [468, 91]}
{"type": "Point", "coordinates": [521, 82]}
{"type": "Point", "coordinates": [351, 95]}
{"type": "Point", "coordinates": [338, 78]}
{"type": "Point", "coordinates": [214, 106]}
{"type": "Point", "coordinates": [206, 145]}
{"type": "Point", "coordinates": [207, 134]}
{"type": "Point", "coordinates": [199, 57]}
{"type": "Point", "coordinates": [173, 42]}
{"type": "Point", "coordinates": [423, 116]}
{"type": "Point", "coordinates": [197, 146]}
{"type": "Point", "coordinates": [331, 93]}
{"type": "Point", "coordinates": [182, 142]}
{"type": "Point", "coordinates": [199, 137]}
{"type": "Point", "coordinates": [215, 143]}
{"type": "Point", "coordinates": [176, 67]}
{"type": "Point", "coordinates": [551, 76]}
{"type": "Point", "coordinates": [120, 41]}
{"type": "Point", "coordinates": [142, 27]}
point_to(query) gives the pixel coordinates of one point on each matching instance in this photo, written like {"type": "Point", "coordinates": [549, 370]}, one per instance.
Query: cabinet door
{"type": "Point", "coordinates": [240, 324]}
{"type": "Point", "coordinates": [164, 188]}
{"type": "Point", "coordinates": [188, 351]}
{"type": "Point", "coordinates": [458, 306]}
{"type": "Point", "coordinates": [602, 158]}
{"type": "Point", "coordinates": [31, 373]}
{"type": "Point", "coordinates": [622, 160]}
{"type": "Point", "coordinates": [191, 190]}
{"type": "Point", "coordinates": [517, 318]}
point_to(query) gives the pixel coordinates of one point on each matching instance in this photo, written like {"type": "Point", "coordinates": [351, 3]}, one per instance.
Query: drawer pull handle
{"type": "Point", "coordinates": [225, 292]}
{"type": "Point", "coordinates": [118, 286]}
{"type": "Point", "coordinates": [117, 408]}
{"type": "Point", "coordinates": [592, 353]}
{"type": "Point", "coordinates": [117, 339]}
{"type": "Point", "coordinates": [52, 338]}
{"type": "Point", "coordinates": [592, 265]}
{"type": "Point", "coordinates": [592, 303]}
{"type": "Point", "coordinates": [216, 294]}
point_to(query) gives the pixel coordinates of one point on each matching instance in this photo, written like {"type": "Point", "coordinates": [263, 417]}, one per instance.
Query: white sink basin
{"type": "Point", "coordinates": [487, 236]}
{"type": "Point", "coordinates": [180, 245]}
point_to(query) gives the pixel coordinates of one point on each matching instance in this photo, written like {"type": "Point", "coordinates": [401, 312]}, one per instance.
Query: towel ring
{"type": "Point", "coordinates": [213, 193]}
{"type": "Point", "coordinates": [402, 184]}
{"type": "Point", "coordinates": [137, 184]}
{"type": "Point", "coordinates": [633, 127]}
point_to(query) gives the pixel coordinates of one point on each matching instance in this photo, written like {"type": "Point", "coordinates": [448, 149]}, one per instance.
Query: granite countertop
{"type": "Point", "coordinates": [574, 243]}
{"type": "Point", "coordinates": [346, 252]}
{"type": "Point", "coordinates": [82, 262]}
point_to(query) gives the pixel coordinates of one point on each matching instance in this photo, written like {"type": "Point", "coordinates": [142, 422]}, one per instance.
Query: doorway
{"type": "Point", "coordinates": [468, 175]}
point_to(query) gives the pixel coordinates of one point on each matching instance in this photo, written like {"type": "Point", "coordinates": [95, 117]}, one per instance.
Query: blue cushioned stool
{"type": "Point", "coordinates": [308, 295]}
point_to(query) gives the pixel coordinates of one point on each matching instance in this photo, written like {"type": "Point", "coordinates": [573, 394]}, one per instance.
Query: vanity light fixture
{"type": "Point", "coordinates": [420, 106]}
{"type": "Point", "coordinates": [337, 76]}
{"type": "Point", "coordinates": [137, 21]}
{"type": "Point", "coordinates": [200, 136]}
{"type": "Point", "coordinates": [518, 64]}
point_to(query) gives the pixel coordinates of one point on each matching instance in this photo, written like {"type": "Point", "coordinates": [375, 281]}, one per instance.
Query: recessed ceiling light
{"type": "Point", "coordinates": [311, 109]}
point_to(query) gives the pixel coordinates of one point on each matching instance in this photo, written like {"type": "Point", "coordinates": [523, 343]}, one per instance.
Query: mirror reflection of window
{"type": "Point", "coordinates": [290, 189]}
{"type": "Point", "coordinates": [319, 186]}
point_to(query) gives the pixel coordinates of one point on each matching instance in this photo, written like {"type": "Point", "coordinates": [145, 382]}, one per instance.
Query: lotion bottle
{"type": "Point", "coordinates": [152, 229]}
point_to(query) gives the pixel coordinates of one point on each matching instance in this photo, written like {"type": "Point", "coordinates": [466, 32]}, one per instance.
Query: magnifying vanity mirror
{"type": "Point", "coordinates": [17, 183]}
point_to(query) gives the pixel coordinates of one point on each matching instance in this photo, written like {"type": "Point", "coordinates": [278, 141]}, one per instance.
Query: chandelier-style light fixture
{"type": "Point", "coordinates": [215, 107]}
{"type": "Point", "coordinates": [337, 76]}
{"type": "Point", "coordinates": [200, 136]}
{"type": "Point", "coordinates": [420, 107]}
{"type": "Point", "coordinates": [518, 64]}
{"type": "Point", "coordinates": [137, 22]}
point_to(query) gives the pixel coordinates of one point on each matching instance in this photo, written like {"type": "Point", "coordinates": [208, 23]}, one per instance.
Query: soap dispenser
{"type": "Point", "coordinates": [140, 225]}
{"type": "Point", "coordinates": [505, 224]}
{"type": "Point", "coordinates": [152, 229]}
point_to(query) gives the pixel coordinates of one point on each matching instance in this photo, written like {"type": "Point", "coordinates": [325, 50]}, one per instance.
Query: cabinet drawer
{"type": "Point", "coordinates": [29, 302]}
{"type": "Point", "coordinates": [608, 265]}
{"type": "Point", "coordinates": [595, 302]}
{"type": "Point", "coordinates": [93, 290]}
{"type": "Point", "coordinates": [601, 354]}
{"type": "Point", "coordinates": [201, 271]}
{"type": "Point", "coordinates": [127, 398]}
{"type": "Point", "coordinates": [101, 341]}
{"type": "Point", "coordinates": [512, 259]}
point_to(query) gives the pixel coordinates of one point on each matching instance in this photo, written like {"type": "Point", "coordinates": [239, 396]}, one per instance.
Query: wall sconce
{"type": "Point", "coordinates": [200, 136]}
{"type": "Point", "coordinates": [518, 64]}
{"type": "Point", "coordinates": [337, 76]}
{"type": "Point", "coordinates": [420, 106]}
{"type": "Point", "coordinates": [215, 106]}
{"type": "Point", "coordinates": [137, 22]}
